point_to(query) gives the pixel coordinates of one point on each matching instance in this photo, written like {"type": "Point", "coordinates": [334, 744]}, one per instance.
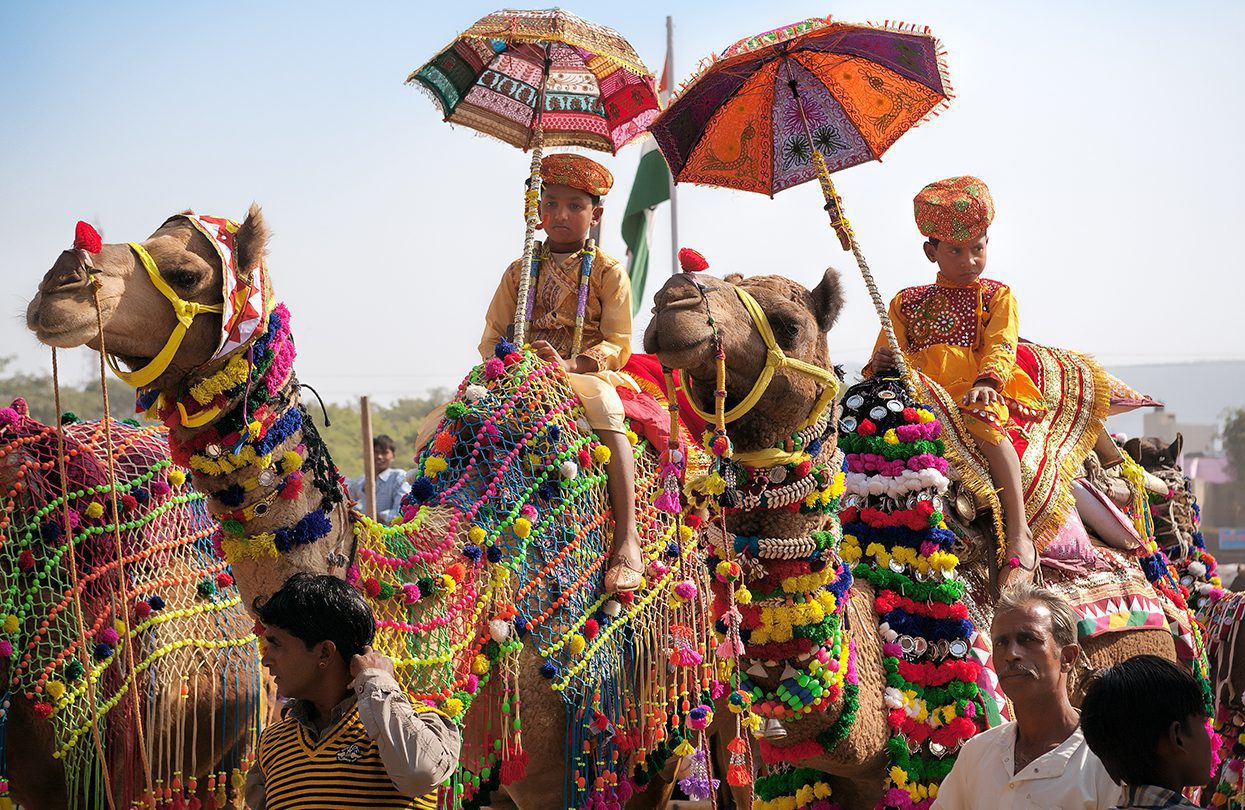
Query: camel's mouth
{"type": "Point", "coordinates": [680, 338]}
{"type": "Point", "coordinates": [66, 321]}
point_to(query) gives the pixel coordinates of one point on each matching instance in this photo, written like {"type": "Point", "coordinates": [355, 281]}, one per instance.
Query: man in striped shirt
{"type": "Point", "coordinates": [349, 736]}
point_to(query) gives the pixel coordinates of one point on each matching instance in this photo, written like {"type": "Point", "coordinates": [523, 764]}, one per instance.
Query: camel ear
{"type": "Point", "coordinates": [733, 278]}
{"type": "Point", "coordinates": [828, 299]}
{"type": "Point", "coordinates": [1133, 448]}
{"type": "Point", "coordinates": [251, 242]}
{"type": "Point", "coordinates": [1176, 446]}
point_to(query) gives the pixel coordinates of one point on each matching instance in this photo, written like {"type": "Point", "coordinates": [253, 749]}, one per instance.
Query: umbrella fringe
{"type": "Point", "coordinates": [940, 59]}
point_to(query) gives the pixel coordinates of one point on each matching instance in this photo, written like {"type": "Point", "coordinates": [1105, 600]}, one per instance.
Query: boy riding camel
{"type": "Point", "coordinates": [578, 293]}
{"type": "Point", "coordinates": [962, 331]}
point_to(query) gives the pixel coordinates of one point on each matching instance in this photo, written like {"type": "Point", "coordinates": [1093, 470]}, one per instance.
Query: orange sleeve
{"type": "Point", "coordinates": [614, 350]}
{"type": "Point", "coordinates": [999, 338]}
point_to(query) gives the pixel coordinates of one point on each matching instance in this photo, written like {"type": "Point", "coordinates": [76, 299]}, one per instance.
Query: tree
{"type": "Point", "coordinates": [1234, 448]}
{"type": "Point", "coordinates": [83, 400]}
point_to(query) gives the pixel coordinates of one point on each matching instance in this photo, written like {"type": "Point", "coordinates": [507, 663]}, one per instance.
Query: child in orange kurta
{"type": "Point", "coordinates": [962, 331]}
{"type": "Point", "coordinates": [570, 204]}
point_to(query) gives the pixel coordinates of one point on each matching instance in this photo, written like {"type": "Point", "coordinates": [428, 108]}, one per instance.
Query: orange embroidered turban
{"type": "Point", "coordinates": [576, 171]}
{"type": "Point", "coordinates": [958, 209]}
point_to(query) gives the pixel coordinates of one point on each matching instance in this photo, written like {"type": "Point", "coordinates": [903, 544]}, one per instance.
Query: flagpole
{"type": "Point", "coordinates": [674, 194]}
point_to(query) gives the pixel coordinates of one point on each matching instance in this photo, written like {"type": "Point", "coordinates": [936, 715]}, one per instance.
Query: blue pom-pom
{"type": "Point", "coordinates": [814, 447]}
{"type": "Point", "coordinates": [156, 602]}
{"type": "Point", "coordinates": [494, 554]}
{"type": "Point", "coordinates": [697, 713]}
{"type": "Point", "coordinates": [1154, 566]}
{"type": "Point", "coordinates": [51, 530]}
{"type": "Point", "coordinates": [422, 489]}
{"type": "Point", "coordinates": [102, 651]}
{"type": "Point", "coordinates": [672, 549]}
{"type": "Point", "coordinates": [720, 626]}
{"type": "Point", "coordinates": [520, 625]}
{"type": "Point", "coordinates": [555, 432]}
{"type": "Point", "coordinates": [140, 494]}
{"type": "Point", "coordinates": [472, 552]}
{"type": "Point", "coordinates": [549, 669]}
{"type": "Point", "coordinates": [503, 348]}
{"type": "Point", "coordinates": [548, 490]}
{"type": "Point", "coordinates": [232, 495]}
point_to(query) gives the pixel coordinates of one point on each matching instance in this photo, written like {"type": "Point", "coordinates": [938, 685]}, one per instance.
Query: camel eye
{"type": "Point", "coordinates": [180, 277]}
{"type": "Point", "coordinates": [785, 329]}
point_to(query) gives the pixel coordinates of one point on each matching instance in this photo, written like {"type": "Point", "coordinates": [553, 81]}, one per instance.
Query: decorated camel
{"type": "Point", "coordinates": [488, 593]}
{"type": "Point", "coordinates": [115, 666]}
{"type": "Point", "coordinates": [691, 318]}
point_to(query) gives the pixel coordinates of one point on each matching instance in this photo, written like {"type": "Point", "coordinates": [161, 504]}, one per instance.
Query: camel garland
{"type": "Point", "coordinates": [126, 651]}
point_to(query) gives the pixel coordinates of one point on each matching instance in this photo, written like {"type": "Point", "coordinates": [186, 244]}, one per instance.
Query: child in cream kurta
{"type": "Point", "coordinates": [570, 204]}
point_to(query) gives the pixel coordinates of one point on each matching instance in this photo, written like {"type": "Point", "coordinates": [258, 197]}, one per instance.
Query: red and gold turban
{"type": "Point", "coordinates": [958, 209]}
{"type": "Point", "coordinates": [576, 171]}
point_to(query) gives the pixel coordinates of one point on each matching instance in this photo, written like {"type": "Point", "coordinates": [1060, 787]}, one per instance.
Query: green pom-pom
{"type": "Point", "coordinates": [386, 591]}
{"type": "Point", "coordinates": [73, 670]}
{"type": "Point", "coordinates": [207, 587]}
{"type": "Point", "coordinates": [131, 421]}
{"type": "Point", "coordinates": [455, 410]}
{"type": "Point", "coordinates": [232, 527]}
{"type": "Point", "coordinates": [68, 418]}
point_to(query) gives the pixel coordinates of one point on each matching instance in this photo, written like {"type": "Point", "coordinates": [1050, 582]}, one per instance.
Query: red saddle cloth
{"type": "Point", "coordinates": [649, 416]}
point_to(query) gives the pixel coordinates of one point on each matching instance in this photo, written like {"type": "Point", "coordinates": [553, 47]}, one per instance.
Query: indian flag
{"type": "Point", "coordinates": [650, 189]}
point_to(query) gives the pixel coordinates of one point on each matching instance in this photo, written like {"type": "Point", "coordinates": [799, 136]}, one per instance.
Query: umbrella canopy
{"type": "Point", "coordinates": [515, 72]}
{"type": "Point", "coordinates": [750, 119]}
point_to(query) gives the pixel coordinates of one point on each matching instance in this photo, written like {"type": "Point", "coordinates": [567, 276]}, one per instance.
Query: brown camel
{"type": "Point", "coordinates": [137, 319]}
{"type": "Point", "coordinates": [199, 702]}
{"type": "Point", "coordinates": [682, 338]}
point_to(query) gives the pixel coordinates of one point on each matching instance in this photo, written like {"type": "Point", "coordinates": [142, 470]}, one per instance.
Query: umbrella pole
{"type": "Point", "coordinates": [531, 216]}
{"type": "Point", "coordinates": [842, 227]}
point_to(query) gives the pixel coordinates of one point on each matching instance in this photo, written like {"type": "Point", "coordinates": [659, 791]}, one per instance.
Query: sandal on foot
{"type": "Point", "coordinates": [621, 577]}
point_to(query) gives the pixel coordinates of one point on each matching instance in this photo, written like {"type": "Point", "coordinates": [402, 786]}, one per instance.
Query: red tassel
{"type": "Point", "coordinates": [691, 261]}
{"type": "Point", "coordinates": [87, 238]}
{"type": "Point", "coordinates": [514, 768]}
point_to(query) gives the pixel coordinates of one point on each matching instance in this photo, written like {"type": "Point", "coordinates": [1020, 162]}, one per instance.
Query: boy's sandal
{"type": "Point", "coordinates": [621, 578]}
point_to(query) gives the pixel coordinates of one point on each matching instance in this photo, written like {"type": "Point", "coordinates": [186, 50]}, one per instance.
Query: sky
{"type": "Point", "coordinates": [1109, 133]}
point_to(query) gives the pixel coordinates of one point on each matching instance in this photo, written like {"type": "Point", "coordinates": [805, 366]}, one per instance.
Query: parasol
{"type": "Point", "coordinates": [542, 78]}
{"type": "Point", "coordinates": [796, 103]}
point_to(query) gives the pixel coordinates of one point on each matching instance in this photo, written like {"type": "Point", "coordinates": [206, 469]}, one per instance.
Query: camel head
{"type": "Point", "coordinates": [137, 317]}
{"type": "Point", "coordinates": [681, 336]}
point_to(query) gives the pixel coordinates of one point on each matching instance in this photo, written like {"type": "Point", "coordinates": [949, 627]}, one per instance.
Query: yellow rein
{"type": "Point", "coordinates": [185, 312]}
{"type": "Point", "coordinates": [775, 359]}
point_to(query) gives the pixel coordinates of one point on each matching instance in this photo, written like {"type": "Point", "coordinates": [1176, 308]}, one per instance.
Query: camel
{"type": "Point", "coordinates": [200, 694]}
{"type": "Point", "coordinates": [680, 335]}
{"type": "Point", "coordinates": [273, 527]}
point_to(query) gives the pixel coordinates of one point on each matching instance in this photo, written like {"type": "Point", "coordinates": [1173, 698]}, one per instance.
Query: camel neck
{"type": "Point", "coordinates": [266, 472]}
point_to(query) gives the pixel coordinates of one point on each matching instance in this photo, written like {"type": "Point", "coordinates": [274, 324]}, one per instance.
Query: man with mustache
{"type": "Point", "coordinates": [1040, 759]}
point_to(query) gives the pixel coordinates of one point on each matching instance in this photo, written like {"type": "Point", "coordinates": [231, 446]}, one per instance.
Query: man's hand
{"type": "Point", "coordinates": [982, 393]}
{"type": "Point", "coordinates": [882, 358]}
{"type": "Point", "coordinates": [546, 352]}
{"type": "Point", "coordinates": [370, 659]}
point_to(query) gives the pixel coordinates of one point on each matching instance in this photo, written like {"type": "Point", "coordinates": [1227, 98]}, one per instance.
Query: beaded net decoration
{"type": "Point", "coordinates": [148, 659]}
{"type": "Point", "coordinates": [498, 565]}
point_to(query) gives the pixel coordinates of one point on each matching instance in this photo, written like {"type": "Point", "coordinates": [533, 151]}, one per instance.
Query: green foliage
{"type": "Point", "coordinates": [401, 421]}
{"type": "Point", "coordinates": [1234, 448]}
{"type": "Point", "coordinates": [83, 400]}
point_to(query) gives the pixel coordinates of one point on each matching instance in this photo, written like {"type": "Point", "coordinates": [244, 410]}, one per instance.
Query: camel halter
{"type": "Point", "coordinates": [185, 312]}
{"type": "Point", "coordinates": [775, 359]}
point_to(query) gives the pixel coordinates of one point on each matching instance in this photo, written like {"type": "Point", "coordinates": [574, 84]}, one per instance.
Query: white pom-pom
{"type": "Point", "coordinates": [1197, 569]}
{"type": "Point", "coordinates": [499, 630]}
{"type": "Point", "coordinates": [582, 424]}
{"type": "Point", "coordinates": [892, 697]}
{"type": "Point", "coordinates": [612, 608]}
{"type": "Point", "coordinates": [474, 392]}
{"type": "Point", "coordinates": [569, 470]}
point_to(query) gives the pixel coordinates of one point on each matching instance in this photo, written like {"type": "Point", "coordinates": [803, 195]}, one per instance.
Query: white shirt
{"type": "Point", "coordinates": [1071, 777]}
{"type": "Point", "coordinates": [391, 488]}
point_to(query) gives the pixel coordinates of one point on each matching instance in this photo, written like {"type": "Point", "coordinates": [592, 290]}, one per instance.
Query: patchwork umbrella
{"type": "Point", "coordinates": [799, 102]}
{"type": "Point", "coordinates": [542, 78]}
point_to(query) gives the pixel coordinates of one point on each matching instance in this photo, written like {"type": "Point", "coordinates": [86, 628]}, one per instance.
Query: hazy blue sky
{"type": "Point", "coordinates": [1109, 132]}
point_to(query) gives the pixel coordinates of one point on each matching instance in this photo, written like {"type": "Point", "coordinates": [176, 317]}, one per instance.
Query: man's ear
{"type": "Point", "coordinates": [598, 211]}
{"type": "Point", "coordinates": [931, 252]}
{"type": "Point", "coordinates": [327, 653]}
{"type": "Point", "coordinates": [1069, 654]}
{"type": "Point", "coordinates": [250, 243]}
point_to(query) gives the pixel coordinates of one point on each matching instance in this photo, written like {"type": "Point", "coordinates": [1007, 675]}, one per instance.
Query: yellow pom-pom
{"type": "Point", "coordinates": [601, 454]}
{"type": "Point", "coordinates": [55, 689]}
{"type": "Point", "coordinates": [175, 478]}
{"type": "Point", "coordinates": [821, 790]}
{"type": "Point", "coordinates": [577, 644]}
{"type": "Point", "coordinates": [522, 528]}
{"type": "Point", "coordinates": [632, 437]}
{"type": "Point", "coordinates": [291, 461]}
{"type": "Point", "coordinates": [476, 535]}
{"type": "Point", "coordinates": [119, 626]}
{"type": "Point", "coordinates": [10, 624]}
{"type": "Point", "coordinates": [890, 437]}
{"type": "Point", "coordinates": [685, 749]}
{"type": "Point", "coordinates": [924, 416]}
{"type": "Point", "coordinates": [435, 465]}
{"type": "Point", "coordinates": [254, 428]}
{"type": "Point", "coordinates": [479, 665]}
{"type": "Point", "coordinates": [96, 510]}
{"type": "Point", "coordinates": [453, 707]}
{"type": "Point", "coordinates": [449, 583]}
{"type": "Point", "coordinates": [743, 596]}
